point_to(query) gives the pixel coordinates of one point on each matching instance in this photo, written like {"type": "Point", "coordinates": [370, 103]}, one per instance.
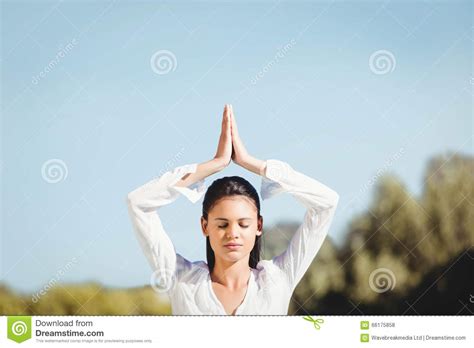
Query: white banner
{"type": "Point", "coordinates": [238, 331]}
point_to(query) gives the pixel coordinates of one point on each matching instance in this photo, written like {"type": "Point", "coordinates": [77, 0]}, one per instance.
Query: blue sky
{"type": "Point", "coordinates": [78, 86]}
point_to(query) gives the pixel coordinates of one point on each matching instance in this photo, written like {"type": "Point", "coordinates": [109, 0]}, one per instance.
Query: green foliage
{"type": "Point", "coordinates": [85, 299]}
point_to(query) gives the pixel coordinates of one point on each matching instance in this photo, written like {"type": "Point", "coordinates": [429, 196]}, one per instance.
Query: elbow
{"type": "Point", "coordinates": [334, 199]}
{"type": "Point", "coordinates": [130, 199]}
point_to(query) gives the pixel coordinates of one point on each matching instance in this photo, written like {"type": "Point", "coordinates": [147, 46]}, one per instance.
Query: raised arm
{"type": "Point", "coordinates": [320, 202]}
{"type": "Point", "coordinates": [144, 202]}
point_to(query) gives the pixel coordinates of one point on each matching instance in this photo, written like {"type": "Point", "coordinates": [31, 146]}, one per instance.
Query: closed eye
{"type": "Point", "coordinates": [224, 226]}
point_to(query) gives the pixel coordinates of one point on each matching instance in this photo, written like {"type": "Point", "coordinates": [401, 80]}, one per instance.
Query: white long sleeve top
{"type": "Point", "coordinates": [272, 282]}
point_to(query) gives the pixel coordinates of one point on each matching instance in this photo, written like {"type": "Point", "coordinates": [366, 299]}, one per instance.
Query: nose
{"type": "Point", "coordinates": [233, 232]}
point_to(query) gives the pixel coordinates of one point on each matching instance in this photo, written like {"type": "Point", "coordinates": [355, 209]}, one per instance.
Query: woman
{"type": "Point", "coordinates": [234, 280]}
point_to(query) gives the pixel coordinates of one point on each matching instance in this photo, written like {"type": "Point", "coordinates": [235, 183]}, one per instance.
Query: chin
{"type": "Point", "coordinates": [233, 256]}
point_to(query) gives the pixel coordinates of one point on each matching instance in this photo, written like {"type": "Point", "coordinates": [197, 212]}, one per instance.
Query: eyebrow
{"type": "Point", "coordinates": [244, 218]}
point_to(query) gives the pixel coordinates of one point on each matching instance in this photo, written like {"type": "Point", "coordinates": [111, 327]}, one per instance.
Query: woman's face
{"type": "Point", "coordinates": [232, 220]}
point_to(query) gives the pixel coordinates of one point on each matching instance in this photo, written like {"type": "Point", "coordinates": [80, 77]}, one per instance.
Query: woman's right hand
{"type": "Point", "coordinates": [224, 148]}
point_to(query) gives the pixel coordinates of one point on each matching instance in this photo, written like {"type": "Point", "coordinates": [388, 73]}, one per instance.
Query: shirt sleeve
{"type": "Point", "coordinates": [143, 207]}
{"type": "Point", "coordinates": [320, 202]}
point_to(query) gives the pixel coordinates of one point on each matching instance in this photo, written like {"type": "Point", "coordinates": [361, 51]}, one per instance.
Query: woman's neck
{"type": "Point", "coordinates": [232, 275]}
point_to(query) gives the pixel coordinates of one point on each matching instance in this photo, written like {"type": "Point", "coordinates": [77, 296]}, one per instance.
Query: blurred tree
{"type": "Point", "coordinates": [448, 198]}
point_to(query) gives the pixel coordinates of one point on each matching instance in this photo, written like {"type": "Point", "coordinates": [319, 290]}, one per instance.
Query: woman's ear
{"type": "Point", "coordinates": [204, 226]}
{"type": "Point", "coordinates": [260, 226]}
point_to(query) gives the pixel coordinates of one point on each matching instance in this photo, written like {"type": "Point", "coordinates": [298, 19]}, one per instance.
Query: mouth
{"type": "Point", "coordinates": [233, 246]}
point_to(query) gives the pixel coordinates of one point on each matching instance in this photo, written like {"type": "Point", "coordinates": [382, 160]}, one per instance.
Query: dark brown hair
{"type": "Point", "coordinates": [225, 187]}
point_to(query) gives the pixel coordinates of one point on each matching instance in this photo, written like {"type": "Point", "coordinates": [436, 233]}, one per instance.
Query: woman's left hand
{"type": "Point", "coordinates": [239, 153]}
